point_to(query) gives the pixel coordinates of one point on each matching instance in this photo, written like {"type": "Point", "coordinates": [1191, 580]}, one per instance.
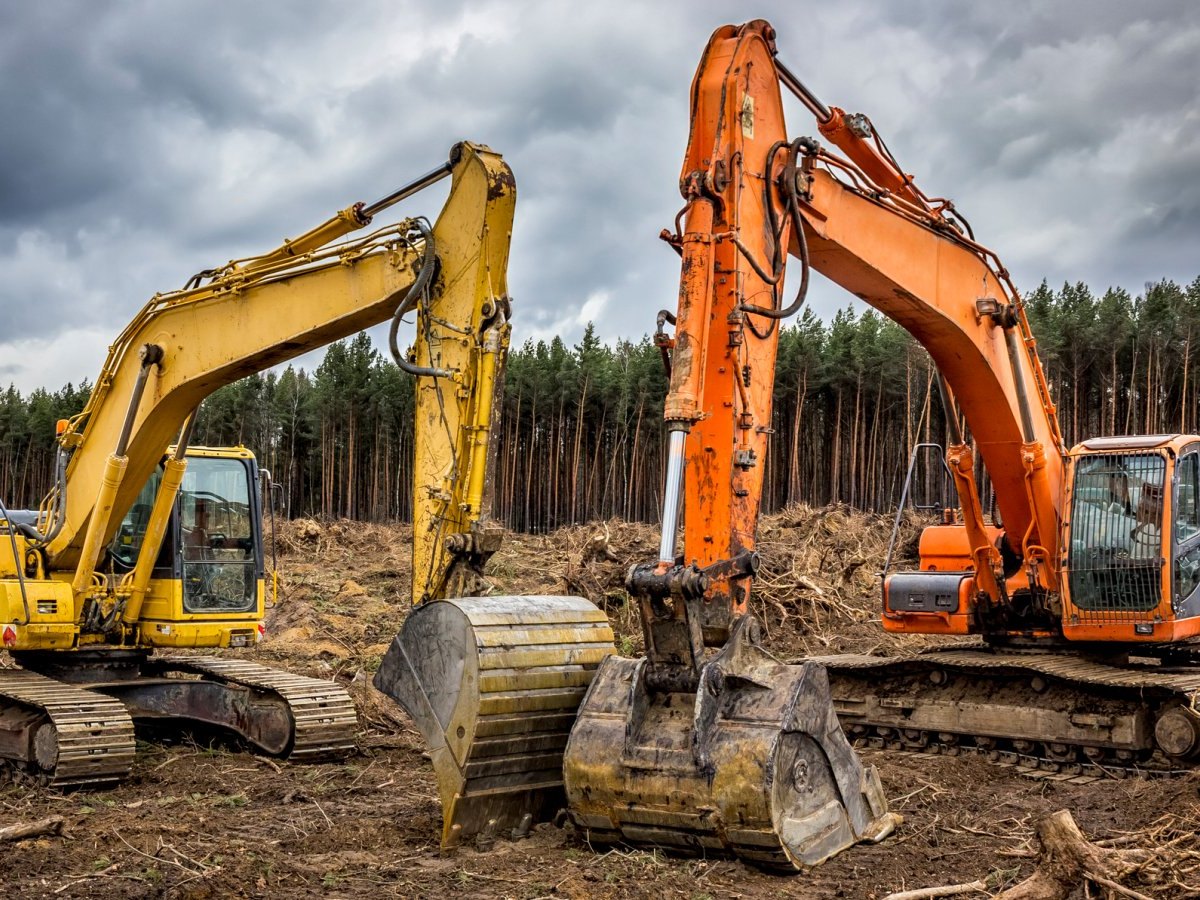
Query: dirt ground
{"type": "Point", "coordinates": [203, 820]}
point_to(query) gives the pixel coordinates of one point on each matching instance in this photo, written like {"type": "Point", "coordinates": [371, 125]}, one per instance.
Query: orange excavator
{"type": "Point", "coordinates": [1077, 601]}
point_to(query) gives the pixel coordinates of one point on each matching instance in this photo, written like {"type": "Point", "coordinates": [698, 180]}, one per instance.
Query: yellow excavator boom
{"type": "Point", "coordinates": [74, 603]}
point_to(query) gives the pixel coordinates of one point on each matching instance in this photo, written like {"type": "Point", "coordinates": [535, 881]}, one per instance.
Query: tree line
{"type": "Point", "coordinates": [580, 432]}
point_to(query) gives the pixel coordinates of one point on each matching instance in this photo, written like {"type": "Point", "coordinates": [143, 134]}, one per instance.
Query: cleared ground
{"type": "Point", "coordinates": [202, 820]}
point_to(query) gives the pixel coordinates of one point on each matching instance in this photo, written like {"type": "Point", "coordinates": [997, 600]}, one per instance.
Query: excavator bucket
{"type": "Point", "coordinates": [750, 762]}
{"type": "Point", "coordinates": [493, 684]}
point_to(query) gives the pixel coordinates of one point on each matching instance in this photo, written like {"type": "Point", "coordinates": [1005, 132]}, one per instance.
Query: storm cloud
{"type": "Point", "coordinates": [145, 141]}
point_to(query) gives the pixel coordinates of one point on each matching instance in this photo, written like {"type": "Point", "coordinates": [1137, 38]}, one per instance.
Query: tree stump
{"type": "Point", "coordinates": [1068, 859]}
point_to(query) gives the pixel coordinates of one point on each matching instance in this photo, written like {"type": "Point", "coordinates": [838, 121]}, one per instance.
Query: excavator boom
{"type": "Point", "coordinates": [82, 600]}
{"type": "Point", "coordinates": [710, 744]}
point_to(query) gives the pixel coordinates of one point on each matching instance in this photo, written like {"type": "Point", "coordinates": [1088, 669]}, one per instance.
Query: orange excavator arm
{"type": "Point", "coordinates": [753, 194]}
{"type": "Point", "coordinates": [860, 220]}
{"type": "Point", "coordinates": [736, 228]}
{"type": "Point", "coordinates": [711, 742]}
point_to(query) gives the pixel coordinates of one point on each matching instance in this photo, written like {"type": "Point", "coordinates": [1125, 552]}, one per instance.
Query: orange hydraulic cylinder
{"type": "Point", "coordinates": [723, 365]}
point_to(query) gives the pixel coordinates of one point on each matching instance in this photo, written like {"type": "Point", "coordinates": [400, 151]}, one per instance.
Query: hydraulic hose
{"type": "Point", "coordinates": [418, 291]}
{"type": "Point", "coordinates": [793, 205]}
{"type": "Point", "coordinates": [18, 564]}
{"type": "Point", "coordinates": [57, 514]}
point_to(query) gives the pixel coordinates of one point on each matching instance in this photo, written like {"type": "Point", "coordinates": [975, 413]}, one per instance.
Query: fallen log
{"type": "Point", "coordinates": [52, 825]}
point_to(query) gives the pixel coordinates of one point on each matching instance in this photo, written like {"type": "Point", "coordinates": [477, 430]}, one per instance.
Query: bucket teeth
{"type": "Point", "coordinates": [493, 684]}
{"type": "Point", "coordinates": [752, 763]}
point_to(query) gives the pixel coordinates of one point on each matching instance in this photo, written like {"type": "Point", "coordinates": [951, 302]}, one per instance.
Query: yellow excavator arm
{"type": "Point", "coordinates": [81, 603]}
{"type": "Point", "coordinates": [255, 313]}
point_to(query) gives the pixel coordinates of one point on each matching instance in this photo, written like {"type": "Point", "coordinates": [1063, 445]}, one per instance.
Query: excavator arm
{"type": "Point", "coordinates": [860, 220]}
{"type": "Point", "coordinates": [710, 743]}
{"type": "Point", "coordinates": [952, 295]}
{"type": "Point", "coordinates": [318, 288]}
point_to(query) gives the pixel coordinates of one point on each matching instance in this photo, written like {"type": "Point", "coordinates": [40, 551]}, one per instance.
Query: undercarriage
{"type": "Point", "coordinates": [1053, 711]}
{"type": "Point", "coordinates": [70, 722]}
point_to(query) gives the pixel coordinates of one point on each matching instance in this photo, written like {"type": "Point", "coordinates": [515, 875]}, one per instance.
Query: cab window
{"type": "Point", "coordinates": [217, 537]}
{"type": "Point", "coordinates": [1186, 516]}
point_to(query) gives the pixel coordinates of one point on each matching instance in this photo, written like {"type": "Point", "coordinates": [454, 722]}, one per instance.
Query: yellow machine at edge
{"type": "Point", "coordinates": [147, 544]}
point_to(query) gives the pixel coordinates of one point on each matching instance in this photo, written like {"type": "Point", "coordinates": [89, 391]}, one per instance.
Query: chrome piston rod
{"type": "Point", "coordinates": [671, 495]}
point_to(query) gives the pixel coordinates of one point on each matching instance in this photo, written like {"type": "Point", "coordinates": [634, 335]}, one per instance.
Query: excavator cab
{"type": "Point", "coordinates": [208, 578]}
{"type": "Point", "coordinates": [1133, 539]}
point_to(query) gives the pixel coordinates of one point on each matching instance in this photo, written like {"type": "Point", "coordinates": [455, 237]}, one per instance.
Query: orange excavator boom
{"type": "Point", "coordinates": [709, 743]}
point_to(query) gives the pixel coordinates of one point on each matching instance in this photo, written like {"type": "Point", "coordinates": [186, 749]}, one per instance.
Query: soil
{"type": "Point", "coordinates": [202, 819]}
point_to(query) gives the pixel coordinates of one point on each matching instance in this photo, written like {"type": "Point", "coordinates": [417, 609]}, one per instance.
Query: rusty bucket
{"type": "Point", "coordinates": [748, 760]}
{"type": "Point", "coordinates": [493, 684]}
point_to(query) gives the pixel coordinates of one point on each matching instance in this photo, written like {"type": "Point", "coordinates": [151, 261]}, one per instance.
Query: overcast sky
{"type": "Point", "coordinates": [143, 141]}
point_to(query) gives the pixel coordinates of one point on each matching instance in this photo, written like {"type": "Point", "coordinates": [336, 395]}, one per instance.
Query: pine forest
{"type": "Point", "coordinates": [580, 432]}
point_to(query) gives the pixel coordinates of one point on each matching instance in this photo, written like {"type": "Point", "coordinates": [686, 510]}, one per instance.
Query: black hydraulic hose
{"type": "Point", "coordinates": [776, 232]}
{"type": "Point", "coordinates": [194, 281]}
{"type": "Point", "coordinates": [58, 514]}
{"type": "Point", "coordinates": [18, 564]}
{"type": "Point", "coordinates": [802, 293]}
{"type": "Point", "coordinates": [419, 288]}
{"type": "Point", "coordinates": [959, 217]}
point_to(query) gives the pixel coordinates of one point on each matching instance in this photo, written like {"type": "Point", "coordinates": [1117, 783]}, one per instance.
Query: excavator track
{"type": "Point", "coordinates": [73, 737]}
{"type": "Point", "coordinates": [1047, 713]}
{"type": "Point", "coordinates": [323, 716]}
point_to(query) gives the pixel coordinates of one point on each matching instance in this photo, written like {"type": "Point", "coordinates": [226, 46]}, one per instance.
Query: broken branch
{"type": "Point", "coordinates": [52, 825]}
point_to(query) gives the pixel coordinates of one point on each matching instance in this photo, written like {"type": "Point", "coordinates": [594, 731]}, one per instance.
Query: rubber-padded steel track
{"type": "Point", "coordinates": [322, 711]}
{"type": "Point", "coordinates": [1042, 711]}
{"type": "Point", "coordinates": [93, 733]}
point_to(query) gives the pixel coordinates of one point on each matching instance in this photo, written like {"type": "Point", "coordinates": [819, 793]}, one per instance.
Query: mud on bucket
{"type": "Point", "coordinates": [751, 762]}
{"type": "Point", "coordinates": [493, 685]}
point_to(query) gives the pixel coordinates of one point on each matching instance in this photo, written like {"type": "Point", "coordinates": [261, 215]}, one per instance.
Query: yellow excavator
{"type": "Point", "coordinates": [146, 544]}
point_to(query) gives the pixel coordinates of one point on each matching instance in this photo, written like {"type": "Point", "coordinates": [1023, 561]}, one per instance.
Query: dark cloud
{"type": "Point", "coordinates": [146, 140]}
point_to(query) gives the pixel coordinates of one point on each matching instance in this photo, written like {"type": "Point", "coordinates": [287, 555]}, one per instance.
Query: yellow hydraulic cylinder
{"type": "Point", "coordinates": [114, 472]}
{"type": "Point", "coordinates": [156, 528]}
{"type": "Point", "coordinates": [343, 223]}
{"type": "Point", "coordinates": [482, 424]}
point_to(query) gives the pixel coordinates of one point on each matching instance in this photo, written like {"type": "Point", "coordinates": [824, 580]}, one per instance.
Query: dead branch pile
{"type": "Point", "coordinates": [345, 584]}
{"type": "Point", "coordinates": [819, 579]}
{"type": "Point", "coordinates": [1157, 862]}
